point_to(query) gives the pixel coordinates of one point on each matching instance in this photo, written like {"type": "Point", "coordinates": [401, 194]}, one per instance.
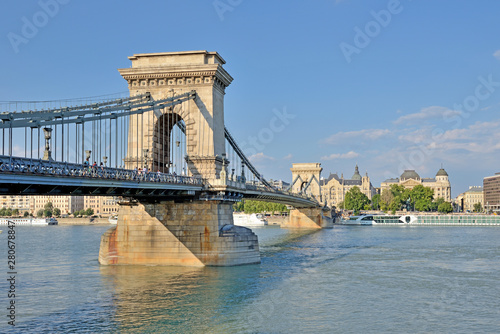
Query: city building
{"type": "Point", "coordinates": [102, 205]}
{"type": "Point", "coordinates": [21, 203]}
{"type": "Point", "coordinates": [491, 188]}
{"type": "Point", "coordinates": [409, 179]}
{"type": "Point", "coordinates": [67, 204]}
{"type": "Point", "coordinates": [279, 184]}
{"type": "Point", "coordinates": [468, 199]}
{"type": "Point", "coordinates": [334, 188]}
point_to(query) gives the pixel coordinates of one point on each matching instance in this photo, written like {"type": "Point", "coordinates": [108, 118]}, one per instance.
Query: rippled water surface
{"type": "Point", "coordinates": [351, 279]}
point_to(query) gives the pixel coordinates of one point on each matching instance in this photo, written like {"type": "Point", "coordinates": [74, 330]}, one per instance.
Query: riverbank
{"type": "Point", "coordinates": [83, 221]}
{"type": "Point", "coordinates": [276, 220]}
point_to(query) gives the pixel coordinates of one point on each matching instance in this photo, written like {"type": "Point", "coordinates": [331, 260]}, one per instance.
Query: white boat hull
{"type": "Point", "coordinates": [358, 220]}
{"type": "Point", "coordinates": [30, 221]}
{"type": "Point", "coordinates": [251, 220]}
{"type": "Point", "coordinates": [350, 222]}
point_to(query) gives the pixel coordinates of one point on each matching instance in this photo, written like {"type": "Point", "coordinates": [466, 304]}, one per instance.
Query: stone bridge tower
{"type": "Point", "coordinates": [172, 73]}
{"type": "Point", "coordinates": [189, 232]}
{"type": "Point", "coordinates": [306, 179]}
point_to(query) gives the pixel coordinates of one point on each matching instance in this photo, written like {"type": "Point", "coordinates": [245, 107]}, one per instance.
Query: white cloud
{"type": "Point", "coordinates": [288, 157]}
{"type": "Point", "coordinates": [496, 54]}
{"type": "Point", "coordinates": [260, 157]}
{"type": "Point", "coordinates": [416, 136]}
{"type": "Point", "coordinates": [465, 149]}
{"type": "Point", "coordinates": [478, 138]}
{"type": "Point", "coordinates": [360, 135]}
{"type": "Point", "coordinates": [348, 155]}
{"type": "Point", "coordinates": [427, 113]}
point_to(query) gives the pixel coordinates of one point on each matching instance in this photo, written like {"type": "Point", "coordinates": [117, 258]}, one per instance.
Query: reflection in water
{"type": "Point", "coordinates": [355, 280]}
{"type": "Point", "coordinates": [153, 298]}
{"type": "Point", "coordinates": [150, 298]}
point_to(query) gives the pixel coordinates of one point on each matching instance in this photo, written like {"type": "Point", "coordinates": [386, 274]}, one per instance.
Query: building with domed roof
{"type": "Point", "coordinates": [410, 178]}
{"type": "Point", "coordinates": [334, 188]}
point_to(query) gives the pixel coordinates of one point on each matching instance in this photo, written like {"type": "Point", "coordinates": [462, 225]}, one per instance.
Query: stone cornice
{"type": "Point", "coordinates": [141, 55]}
{"type": "Point", "coordinates": [195, 71]}
{"type": "Point", "coordinates": [305, 171]}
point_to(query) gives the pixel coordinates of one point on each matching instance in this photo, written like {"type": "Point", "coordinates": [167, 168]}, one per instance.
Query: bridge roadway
{"type": "Point", "coordinates": [24, 176]}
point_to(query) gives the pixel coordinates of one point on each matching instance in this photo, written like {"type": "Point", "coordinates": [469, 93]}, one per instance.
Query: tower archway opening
{"type": "Point", "coordinates": [170, 144]}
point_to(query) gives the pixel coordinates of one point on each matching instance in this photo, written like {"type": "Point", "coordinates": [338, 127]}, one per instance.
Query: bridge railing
{"type": "Point", "coordinates": [242, 185]}
{"type": "Point", "coordinates": [262, 188]}
{"type": "Point", "coordinates": [65, 169]}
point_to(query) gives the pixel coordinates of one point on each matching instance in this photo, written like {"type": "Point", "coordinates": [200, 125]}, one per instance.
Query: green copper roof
{"type": "Point", "coordinates": [356, 175]}
{"type": "Point", "coordinates": [441, 172]}
{"type": "Point", "coordinates": [409, 174]}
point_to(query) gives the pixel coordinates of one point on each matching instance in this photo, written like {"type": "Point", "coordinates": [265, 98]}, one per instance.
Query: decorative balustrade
{"type": "Point", "coordinates": [63, 169]}
{"type": "Point", "coordinates": [36, 167]}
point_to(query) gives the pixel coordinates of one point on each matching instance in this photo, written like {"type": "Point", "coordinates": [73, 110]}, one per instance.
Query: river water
{"type": "Point", "coordinates": [350, 279]}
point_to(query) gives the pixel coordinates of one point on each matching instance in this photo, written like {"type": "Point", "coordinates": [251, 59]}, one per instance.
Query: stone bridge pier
{"type": "Point", "coordinates": [197, 233]}
{"type": "Point", "coordinates": [309, 218]}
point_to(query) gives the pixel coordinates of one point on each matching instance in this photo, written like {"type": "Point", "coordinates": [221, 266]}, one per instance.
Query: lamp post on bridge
{"type": "Point", "coordinates": [178, 158]}
{"type": "Point", "coordinates": [145, 152]}
{"type": "Point", "coordinates": [169, 167]}
{"type": "Point", "coordinates": [243, 179]}
{"type": "Point", "coordinates": [47, 153]}
{"type": "Point", "coordinates": [223, 174]}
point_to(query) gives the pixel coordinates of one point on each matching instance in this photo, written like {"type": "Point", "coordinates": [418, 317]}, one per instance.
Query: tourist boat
{"type": "Point", "coordinates": [379, 220]}
{"type": "Point", "coordinates": [113, 220]}
{"type": "Point", "coordinates": [242, 219]}
{"type": "Point", "coordinates": [419, 219]}
{"type": "Point", "coordinates": [358, 220]}
{"type": "Point", "coordinates": [408, 219]}
{"type": "Point", "coordinates": [30, 221]}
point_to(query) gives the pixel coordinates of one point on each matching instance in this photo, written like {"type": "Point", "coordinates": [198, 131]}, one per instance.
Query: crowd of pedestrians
{"type": "Point", "coordinates": [137, 174]}
{"type": "Point", "coordinates": [96, 170]}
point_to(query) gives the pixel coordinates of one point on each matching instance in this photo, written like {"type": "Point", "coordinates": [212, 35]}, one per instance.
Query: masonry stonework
{"type": "Point", "coordinates": [163, 75]}
{"type": "Point", "coordinates": [198, 233]}
{"type": "Point", "coordinates": [315, 218]}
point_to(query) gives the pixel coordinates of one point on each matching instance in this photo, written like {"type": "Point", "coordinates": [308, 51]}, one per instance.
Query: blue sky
{"type": "Point", "coordinates": [388, 85]}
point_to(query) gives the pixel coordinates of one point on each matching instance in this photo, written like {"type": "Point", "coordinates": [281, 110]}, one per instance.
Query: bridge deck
{"type": "Point", "coordinates": [23, 176]}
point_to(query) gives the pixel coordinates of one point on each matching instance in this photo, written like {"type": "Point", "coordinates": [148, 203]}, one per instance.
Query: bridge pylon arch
{"type": "Point", "coordinates": [171, 73]}
{"type": "Point", "coordinates": [306, 179]}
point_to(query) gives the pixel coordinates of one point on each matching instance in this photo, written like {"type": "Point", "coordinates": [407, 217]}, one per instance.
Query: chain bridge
{"type": "Point", "coordinates": [164, 149]}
